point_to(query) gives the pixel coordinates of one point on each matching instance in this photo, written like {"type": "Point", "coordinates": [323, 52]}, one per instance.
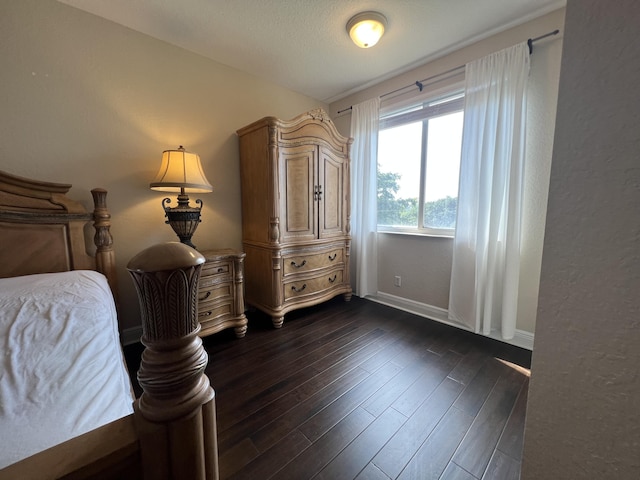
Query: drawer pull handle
{"type": "Point", "coordinates": [298, 290]}
{"type": "Point", "coordinates": [220, 269]}
{"type": "Point", "coordinates": [293, 263]}
{"type": "Point", "coordinates": [206, 314]}
{"type": "Point", "coordinates": [333, 279]}
{"type": "Point", "coordinates": [332, 257]}
{"type": "Point", "coordinates": [206, 295]}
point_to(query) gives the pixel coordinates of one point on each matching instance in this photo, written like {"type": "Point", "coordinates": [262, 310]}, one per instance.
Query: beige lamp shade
{"type": "Point", "coordinates": [366, 28]}
{"type": "Point", "coordinates": [181, 170]}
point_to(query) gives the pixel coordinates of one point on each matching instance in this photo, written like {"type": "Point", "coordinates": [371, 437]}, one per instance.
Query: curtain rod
{"type": "Point", "coordinates": [420, 84]}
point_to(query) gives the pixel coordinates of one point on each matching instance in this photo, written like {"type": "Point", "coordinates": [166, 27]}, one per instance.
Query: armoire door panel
{"type": "Point", "coordinates": [331, 205]}
{"type": "Point", "coordinates": [297, 193]}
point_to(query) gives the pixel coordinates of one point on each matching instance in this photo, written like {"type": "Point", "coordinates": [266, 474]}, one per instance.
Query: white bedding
{"type": "Point", "coordinates": [62, 372]}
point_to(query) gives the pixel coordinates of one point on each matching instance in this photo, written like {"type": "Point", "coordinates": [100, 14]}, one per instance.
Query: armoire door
{"type": "Point", "coordinates": [331, 208]}
{"type": "Point", "coordinates": [298, 192]}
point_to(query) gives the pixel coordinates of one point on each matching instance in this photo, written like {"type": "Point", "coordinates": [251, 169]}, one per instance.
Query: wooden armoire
{"type": "Point", "coordinates": [295, 212]}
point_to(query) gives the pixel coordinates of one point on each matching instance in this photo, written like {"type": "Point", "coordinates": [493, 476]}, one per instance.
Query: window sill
{"type": "Point", "coordinates": [418, 234]}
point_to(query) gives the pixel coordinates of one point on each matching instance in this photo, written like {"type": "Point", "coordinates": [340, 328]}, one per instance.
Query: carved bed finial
{"type": "Point", "coordinates": [166, 279]}
{"type": "Point", "coordinates": [176, 390]}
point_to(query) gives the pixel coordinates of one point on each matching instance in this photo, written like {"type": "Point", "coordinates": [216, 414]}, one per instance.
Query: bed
{"type": "Point", "coordinates": [67, 409]}
{"type": "Point", "coordinates": [48, 394]}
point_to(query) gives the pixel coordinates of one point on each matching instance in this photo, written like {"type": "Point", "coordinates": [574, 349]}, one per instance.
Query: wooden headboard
{"type": "Point", "coordinates": [43, 231]}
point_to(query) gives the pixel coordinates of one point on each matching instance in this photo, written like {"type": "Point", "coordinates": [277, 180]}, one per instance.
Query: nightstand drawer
{"type": "Point", "coordinates": [208, 293]}
{"type": "Point", "coordinates": [216, 270]}
{"type": "Point", "coordinates": [211, 311]}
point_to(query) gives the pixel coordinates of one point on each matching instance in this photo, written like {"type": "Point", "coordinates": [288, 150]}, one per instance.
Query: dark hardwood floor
{"type": "Point", "coordinates": [362, 391]}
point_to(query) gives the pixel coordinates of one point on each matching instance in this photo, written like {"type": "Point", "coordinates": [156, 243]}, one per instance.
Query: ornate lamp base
{"type": "Point", "coordinates": [184, 219]}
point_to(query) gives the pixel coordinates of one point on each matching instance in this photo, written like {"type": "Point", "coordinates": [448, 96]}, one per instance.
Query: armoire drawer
{"type": "Point", "coordinates": [312, 285]}
{"type": "Point", "coordinates": [308, 262]}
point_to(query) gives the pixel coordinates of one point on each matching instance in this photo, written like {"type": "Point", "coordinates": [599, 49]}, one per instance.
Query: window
{"type": "Point", "coordinates": [419, 165]}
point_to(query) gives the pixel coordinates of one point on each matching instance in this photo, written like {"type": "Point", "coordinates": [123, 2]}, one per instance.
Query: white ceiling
{"type": "Point", "coordinates": [303, 44]}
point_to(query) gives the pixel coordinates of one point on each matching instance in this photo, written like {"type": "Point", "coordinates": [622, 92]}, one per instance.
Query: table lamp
{"type": "Point", "coordinates": [181, 172]}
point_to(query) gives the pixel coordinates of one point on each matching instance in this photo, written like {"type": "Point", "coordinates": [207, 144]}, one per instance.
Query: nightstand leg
{"type": "Point", "coordinates": [240, 331]}
{"type": "Point", "coordinates": [347, 297]}
{"type": "Point", "coordinates": [277, 321]}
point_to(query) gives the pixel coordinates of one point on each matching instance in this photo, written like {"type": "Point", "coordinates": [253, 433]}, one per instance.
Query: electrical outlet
{"type": "Point", "coordinates": [397, 281]}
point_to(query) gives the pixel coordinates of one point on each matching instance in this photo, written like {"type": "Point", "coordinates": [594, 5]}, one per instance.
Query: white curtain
{"type": "Point", "coordinates": [364, 163]}
{"type": "Point", "coordinates": [486, 248]}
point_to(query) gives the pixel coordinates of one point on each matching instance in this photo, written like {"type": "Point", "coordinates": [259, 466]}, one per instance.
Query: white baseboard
{"type": "Point", "coordinates": [130, 335]}
{"type": "Point", "coordinates": [417, 308]}
{"type": "Point", "coordinates": [521, 338]}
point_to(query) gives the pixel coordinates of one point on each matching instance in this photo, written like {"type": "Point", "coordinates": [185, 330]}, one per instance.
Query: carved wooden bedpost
{"type": "Point", "coordinates": [105, 257]}
{"type": "Point", "coordinates": [175, 415]}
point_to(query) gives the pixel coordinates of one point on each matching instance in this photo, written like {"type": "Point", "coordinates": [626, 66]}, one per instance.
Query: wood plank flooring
{"type": "Point", "coordinates": [361, 391]}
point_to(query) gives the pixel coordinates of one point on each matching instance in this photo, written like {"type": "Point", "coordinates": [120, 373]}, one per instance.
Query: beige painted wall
{"type": "Point", "coordinates": [583, 415]}
{"type": "Point", "coordinates": [424, 263]}
{"type": "Point", "coordinates": [424, 276]}
{"type": "Point", "coordinates": [88, 102]}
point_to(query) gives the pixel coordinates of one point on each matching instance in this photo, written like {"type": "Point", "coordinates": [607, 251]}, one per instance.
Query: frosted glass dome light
{"type": "Point", "coordinates": [366, 28]}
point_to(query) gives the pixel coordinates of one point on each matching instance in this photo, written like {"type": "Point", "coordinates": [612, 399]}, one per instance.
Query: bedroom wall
{"type": "Point", "coordinates": [88, 102]}
{"type": "Point", "coordinates": [425, 262]}
{"type": "Point", "coordinates": [583, 420]}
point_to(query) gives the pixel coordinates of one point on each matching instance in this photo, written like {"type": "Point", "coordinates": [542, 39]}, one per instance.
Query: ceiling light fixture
{"type": "Point", "coordinates": [366, 28]}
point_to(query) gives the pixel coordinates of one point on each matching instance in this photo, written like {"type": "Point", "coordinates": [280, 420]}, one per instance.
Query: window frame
{"type": "Point", "coordinates": [446, 101]}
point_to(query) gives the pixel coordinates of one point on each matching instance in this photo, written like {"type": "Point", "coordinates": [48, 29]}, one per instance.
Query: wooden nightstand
{"type": "Point", "coordinates": [221, 292]}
